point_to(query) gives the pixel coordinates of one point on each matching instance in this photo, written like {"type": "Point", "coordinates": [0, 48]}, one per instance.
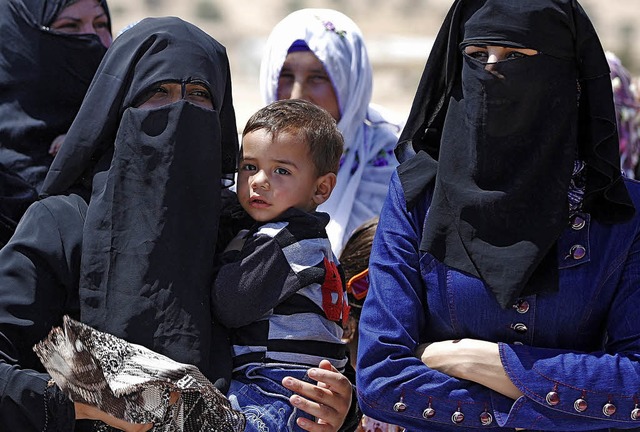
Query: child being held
{"type": "Point", "coordinates": [280, 289]}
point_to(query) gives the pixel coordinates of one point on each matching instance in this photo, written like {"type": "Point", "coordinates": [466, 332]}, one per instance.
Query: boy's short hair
{"type": "Point", "coordinates": [307, 120]}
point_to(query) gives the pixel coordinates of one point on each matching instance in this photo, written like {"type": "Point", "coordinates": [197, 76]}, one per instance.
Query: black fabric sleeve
{"type": "Point", "coordinates": [255, 283]}
{"type": "Point", "coordinates": [39, 270]}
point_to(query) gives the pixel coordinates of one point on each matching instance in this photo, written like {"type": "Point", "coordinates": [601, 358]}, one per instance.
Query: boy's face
{"type": "Point", "coordinates": [277, 174]}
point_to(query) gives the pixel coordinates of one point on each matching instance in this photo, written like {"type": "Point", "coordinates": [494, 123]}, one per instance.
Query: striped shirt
{"type": "Point", "coordinates": [283, 294]}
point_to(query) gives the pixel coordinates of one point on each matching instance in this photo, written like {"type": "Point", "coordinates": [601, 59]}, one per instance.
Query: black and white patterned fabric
{"type": "Point", "coordinates": [132, 382]}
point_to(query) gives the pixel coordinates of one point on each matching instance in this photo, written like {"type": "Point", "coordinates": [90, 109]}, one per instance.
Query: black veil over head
{"type": "Point", "coordinates": [44, 76]}
{"type": "Point", "coordinates": [499, 148]}
{"type": "Point", "coordinates": [156, 176]}
{"type": "Point", "coordinates": [142, 56]}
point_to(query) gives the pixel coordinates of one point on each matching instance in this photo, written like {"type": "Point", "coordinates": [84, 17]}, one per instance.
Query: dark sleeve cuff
{"type": "Point", "coordinates": [59, 408]}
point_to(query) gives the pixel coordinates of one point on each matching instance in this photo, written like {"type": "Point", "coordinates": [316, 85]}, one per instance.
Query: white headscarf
{"type": "Point", "coordinates": [338, 43]}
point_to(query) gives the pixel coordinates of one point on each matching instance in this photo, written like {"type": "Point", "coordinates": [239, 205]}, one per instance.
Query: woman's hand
{"type": "Point", "coordinates": [88, 412]}
{"type": "Point", "coordinates": [470, 359]}
{"type": "Point", "coordinates": [328, 401]}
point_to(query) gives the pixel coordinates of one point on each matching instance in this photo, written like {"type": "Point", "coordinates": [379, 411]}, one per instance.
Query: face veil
{"type": "Point", "coordinates": [156, 177]}
{"type": "Point", "coordinates": [44, 76]}
{"type": "Point", "coordinates": [499, 148]}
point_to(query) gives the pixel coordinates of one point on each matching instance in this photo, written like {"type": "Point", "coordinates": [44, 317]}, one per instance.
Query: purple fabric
{"type": "Point", "coordinates": [298, 45]}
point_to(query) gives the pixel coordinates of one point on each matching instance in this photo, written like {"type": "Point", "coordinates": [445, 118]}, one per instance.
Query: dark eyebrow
{"type": "Point", "coordinates": [285, 162]}
{"type": "Point", "coordinates": [68, 18]}
{"type": "Point", "coordinates": [61, 17]}
{"type": "Point", "coordinates": [315, 70]}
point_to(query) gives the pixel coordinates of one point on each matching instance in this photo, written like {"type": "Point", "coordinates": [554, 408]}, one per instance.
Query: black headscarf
{"type": "Point", "coordinates": [150, 232]}
{"type": "Point", "coordinates": [499, 149]}
{"type": "Point", "coordinates": [43, 77]}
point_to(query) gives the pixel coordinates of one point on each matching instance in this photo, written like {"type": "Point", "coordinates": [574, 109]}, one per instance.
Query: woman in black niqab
{"type": "Point", "coordinates": [44, 76]}
{"type": "Point", "coordinates": [150, 231]}
{"type": "Point", "coordinates": [483, 139]}
{"type": "Point", "coordinates": [504, 271]}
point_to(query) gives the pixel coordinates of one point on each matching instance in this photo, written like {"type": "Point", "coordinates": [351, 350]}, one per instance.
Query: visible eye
{"type": "Point", "coordinates": [478, 53]}
{"type": "Point", "coordinates": [101, 24]}
{"type": "Point", "coordinates": [247, 167]}
{"type": "Point", "coordinates": [159, 89]}
{"type": "Point", "coordinates": [515, 55]}
{"type": "Point", "coordinates": [286, 78]}
{"type": "Point", "coordinates": [198, 91]}
{"type": "Point", "coordinates": [320, 78]}
{"type": "Point", "coordinates": [282, 171]}
{"type": "Point", "coordinates": [284, 73]}
{"type": "Point", "coordinates": [155, 96]}
{"type": "Point", "coordinates": [66, 26]}
{"type": "Point", "coordinates": [199, 95]}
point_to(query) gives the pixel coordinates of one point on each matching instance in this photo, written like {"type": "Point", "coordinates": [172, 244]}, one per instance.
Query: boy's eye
{"type": "Point", "coordinates": [248, 167]}
{"type": "Point", "coordinates": [282, 171]}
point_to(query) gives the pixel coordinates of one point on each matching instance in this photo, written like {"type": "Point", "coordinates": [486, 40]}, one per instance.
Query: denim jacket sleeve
{"type": "Point", "coordinates": [395, 386]}
{"type": "Point", "coordinates": [38, 284]}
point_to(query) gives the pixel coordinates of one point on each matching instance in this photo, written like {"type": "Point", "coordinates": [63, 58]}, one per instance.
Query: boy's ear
{"type": "Point", "coordinates": [324, 186]}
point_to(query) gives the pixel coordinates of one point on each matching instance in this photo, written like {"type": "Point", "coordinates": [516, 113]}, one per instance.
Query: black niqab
{"type": "Point", "coordinates": [499, 148]}
{"type": "Point", "coordinates": [150, 232]}
{"type": "Point", "coordinates": [43, 78]}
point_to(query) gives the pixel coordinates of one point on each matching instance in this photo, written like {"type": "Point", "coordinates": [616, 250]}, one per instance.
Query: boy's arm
{"type": "Point", "coordinates": [253, 284]}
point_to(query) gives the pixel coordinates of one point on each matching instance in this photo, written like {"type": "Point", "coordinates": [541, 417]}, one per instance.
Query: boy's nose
{"type": "Point", "coordinates": [260, 180]}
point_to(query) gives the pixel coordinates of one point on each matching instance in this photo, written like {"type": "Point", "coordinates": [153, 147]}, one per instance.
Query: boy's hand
{"type": "Point", "coordinates": [328, 401]}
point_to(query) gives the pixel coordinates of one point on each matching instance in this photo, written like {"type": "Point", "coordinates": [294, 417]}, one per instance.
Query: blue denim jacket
{"type": "Point", "coordinates": [574, 353]}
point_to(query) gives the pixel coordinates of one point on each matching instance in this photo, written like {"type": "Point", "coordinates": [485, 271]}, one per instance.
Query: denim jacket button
{"type": "Point", "coordinates": [635, 413]}
{"type": "Point", "coordinates": [428, 413]}
{"type": "Point", "coordinates": [457, 417]}
{"type": "Point", "coordinates": [578, 252]}
{"type": "Point", "coordinates": [553, 398]}
{"type": "Point", "coordinates": [578, 223]}
{"type": "Point", "coordinates": [521, 306]}
{"type": "Point", "coordinates": [519, 328]}
{"type": "Point", "coordinates": [486, 418]}
{"type": "Point", "coordinates": [580, 405]}
{"type": "Point", "coordinates": [609, 409]}
{"type": "Point", "coordinates": [400, 406]}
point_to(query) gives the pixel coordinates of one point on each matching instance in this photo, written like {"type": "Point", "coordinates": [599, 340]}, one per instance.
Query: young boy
{"type": "Point", "coordinates": [280, 289]}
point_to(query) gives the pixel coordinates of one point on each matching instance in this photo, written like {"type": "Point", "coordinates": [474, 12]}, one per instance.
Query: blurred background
{"type": "Point", "coordinates": [398, 34]}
